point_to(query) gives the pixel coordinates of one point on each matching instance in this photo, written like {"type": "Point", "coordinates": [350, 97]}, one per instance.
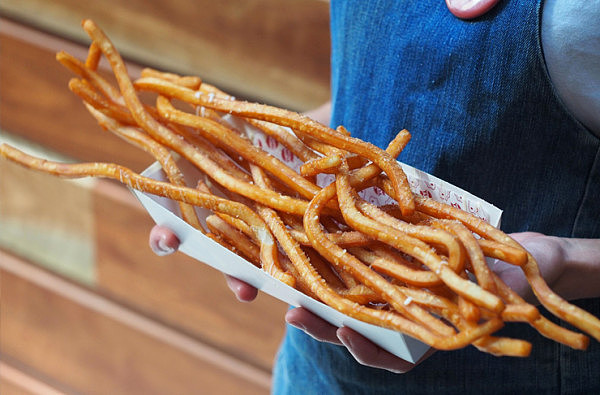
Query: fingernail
{"type": "Point", "coordinates": [237, 290]}
{"type": "Point", "coordinates": [161, 248]}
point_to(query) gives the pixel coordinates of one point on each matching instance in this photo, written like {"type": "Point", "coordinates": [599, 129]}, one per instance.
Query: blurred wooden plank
{"type": "Point", "coordinates": [96, 346]}
{"type": "Point", "coordinates": [36, 103]}
{"type": "Point", "coordinates": [177, 289]}
{"type": "Point", "coordinates": [48, 220]}
{"type": "Point", "coordinates": [272, 50]}
{"type": "Point", "coordinates": [17, 382]}
{"type": "Point", "coordinates": [11, 388]}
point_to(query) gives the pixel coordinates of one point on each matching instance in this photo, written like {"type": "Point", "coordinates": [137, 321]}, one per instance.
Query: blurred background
{"type": "Point", "coordinates": [85, 306]}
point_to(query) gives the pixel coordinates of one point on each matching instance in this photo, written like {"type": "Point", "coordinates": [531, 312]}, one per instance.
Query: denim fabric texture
{"type": "Point", "coordinates": [483, 115]}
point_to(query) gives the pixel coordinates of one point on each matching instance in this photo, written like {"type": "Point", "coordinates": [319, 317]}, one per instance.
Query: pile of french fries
{"type": "Point", "coordinates": [417, 266]}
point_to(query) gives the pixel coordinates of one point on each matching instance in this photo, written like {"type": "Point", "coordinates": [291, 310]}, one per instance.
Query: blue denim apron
{"type": "Point", "coordinates": [483, 115]}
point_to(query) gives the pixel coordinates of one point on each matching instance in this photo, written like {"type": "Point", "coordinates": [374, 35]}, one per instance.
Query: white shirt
{"type": "Point", "coordinates": [570, 33]}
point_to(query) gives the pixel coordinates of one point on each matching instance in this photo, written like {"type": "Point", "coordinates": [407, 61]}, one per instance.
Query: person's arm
{"type": "Point", "coordinates": [321, 114]}
{"type": "Point", "coordinates": [570, 266]}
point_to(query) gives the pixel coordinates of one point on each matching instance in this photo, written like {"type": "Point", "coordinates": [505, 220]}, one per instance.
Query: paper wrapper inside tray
{"type": "Point", "coordinates": [202, 248]}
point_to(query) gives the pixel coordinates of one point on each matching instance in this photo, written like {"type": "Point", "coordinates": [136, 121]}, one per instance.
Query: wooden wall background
{"type": "Point", "coordinates": [85, 306]}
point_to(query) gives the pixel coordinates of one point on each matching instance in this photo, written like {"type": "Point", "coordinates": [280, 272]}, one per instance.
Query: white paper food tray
{"type": "Point", "coordinates": [193, 243]}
